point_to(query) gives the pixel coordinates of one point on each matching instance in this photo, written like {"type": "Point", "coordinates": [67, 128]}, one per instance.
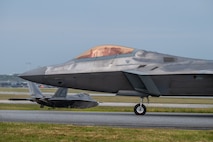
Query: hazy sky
{"type": "Point", "coordinates": [45, 32]}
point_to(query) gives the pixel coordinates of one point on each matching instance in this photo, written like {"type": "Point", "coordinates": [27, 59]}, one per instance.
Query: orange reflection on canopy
{"type": "Point", "coordinates": [105, 50]}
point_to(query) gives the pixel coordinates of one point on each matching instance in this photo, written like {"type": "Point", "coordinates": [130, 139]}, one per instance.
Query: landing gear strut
{"type": "Point", "coordinates": [140, 109]}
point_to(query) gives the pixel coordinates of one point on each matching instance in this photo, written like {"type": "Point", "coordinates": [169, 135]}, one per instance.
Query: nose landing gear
{"type": "Point", "coordinates": [140, 109]}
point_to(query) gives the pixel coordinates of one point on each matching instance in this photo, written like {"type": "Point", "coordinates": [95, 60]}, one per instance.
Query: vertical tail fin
{"type": "Point", "coordinates": [61, 92]}
{"type": "Point", "coordinates": [34, 90]}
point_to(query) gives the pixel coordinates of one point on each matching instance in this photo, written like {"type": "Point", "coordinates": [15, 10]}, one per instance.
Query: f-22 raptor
{"type": "Point", "coordinates": [59, 99]}
{"type": "Point", "coordinates": [130, 72]}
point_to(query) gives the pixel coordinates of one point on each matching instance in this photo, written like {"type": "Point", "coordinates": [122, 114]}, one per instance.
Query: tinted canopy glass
{"type": "Point", "coordinates": [105, 50]}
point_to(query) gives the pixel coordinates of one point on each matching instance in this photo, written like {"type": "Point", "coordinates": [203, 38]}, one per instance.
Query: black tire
{"type": "Point", "coordinates": [140, 109]}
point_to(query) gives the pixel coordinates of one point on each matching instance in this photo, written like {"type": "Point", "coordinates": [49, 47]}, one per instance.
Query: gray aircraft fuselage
{"type": "Point", "coordinates": [135, 72]}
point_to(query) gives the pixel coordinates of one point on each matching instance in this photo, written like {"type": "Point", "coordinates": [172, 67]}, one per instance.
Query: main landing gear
{"type": "Point", "coordinates": [140, 109]}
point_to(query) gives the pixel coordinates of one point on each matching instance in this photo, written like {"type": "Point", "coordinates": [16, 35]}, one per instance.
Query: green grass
{"type": "Point", "coordinates": [38, 132]}
{"type": "Point", "coordinates": [7, 96]}
{"type": "Point", "coordinates": [14, 89]}
{"type": "Point", "coordinates": [110, 98]}
{"type": "Point", "coordinates": [131, 99]}
{"type": "Point", "coordinates": [167, 100]}
{"type": "Point", "coordinates": [29, 132]}
{"type": "Point", "coordinates": [103, 109]}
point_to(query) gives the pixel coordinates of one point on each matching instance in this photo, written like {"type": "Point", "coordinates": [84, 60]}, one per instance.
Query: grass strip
{"type": "Point", "coordinates": [131, 99]}
{"type": "Point", "coordinates": [25, 132]}
{"type": "Point", "coordinates": [103, 109]}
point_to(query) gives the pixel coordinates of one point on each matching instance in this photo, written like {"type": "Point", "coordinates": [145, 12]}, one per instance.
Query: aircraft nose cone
{"type": "Point", "coordinates": [35, 75]}
{"type": "Point", "coordinates": [38, 71]}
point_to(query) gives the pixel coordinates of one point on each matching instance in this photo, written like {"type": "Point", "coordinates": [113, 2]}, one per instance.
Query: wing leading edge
{"type": "Point", "coordinates": [143, 86]}
{"type": "Point", "coordinates": [191, 84]}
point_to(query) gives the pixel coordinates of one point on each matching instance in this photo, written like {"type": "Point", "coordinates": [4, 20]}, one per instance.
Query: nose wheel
{"type": "Point", "coordinates": [140, 109]}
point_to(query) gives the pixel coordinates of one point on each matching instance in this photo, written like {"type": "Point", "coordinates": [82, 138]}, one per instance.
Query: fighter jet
{"type": "Point", "coordinates": [130, 72]}
{"type": "Point", "coordinates": [59, 99]}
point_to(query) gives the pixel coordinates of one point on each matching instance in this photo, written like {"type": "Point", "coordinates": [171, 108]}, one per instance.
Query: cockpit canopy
{"type": "Point", "coordinates": [105, 50]}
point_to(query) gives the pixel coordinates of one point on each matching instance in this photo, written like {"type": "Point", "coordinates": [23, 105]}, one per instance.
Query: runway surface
{"type": "Point", "coordinates": [119, 119]}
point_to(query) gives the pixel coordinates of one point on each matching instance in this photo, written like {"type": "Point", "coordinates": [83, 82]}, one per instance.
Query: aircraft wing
{"type": "Point", "coordinates": [17, 99]}
{"type": "Point", "coordinates": [165, 72]}
{"type": "Point", "coordinates": [142, 84]}
{"type": "Point", "coordinates": [22, 99]}
{"type": "Point", "coordinates": [169, 83]}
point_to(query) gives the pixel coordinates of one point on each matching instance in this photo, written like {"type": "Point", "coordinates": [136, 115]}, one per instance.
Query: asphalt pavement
{"type": "Point", "coordinates": [118, 119]}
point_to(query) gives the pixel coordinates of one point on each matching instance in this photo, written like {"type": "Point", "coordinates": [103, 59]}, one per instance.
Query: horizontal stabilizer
{"type": "Point", "coordinates": [17, 99]}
